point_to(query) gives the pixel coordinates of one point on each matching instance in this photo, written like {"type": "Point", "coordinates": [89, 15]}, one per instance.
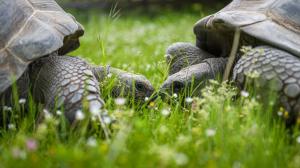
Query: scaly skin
{"type": "Point", "coordinates": [194, 77]}
{"type": "Point", "coordinates": [64, 82]}
{"type": "Point", "coordinates": [277, 70]}
{"type": "Point", "coordinates": [127, 85]}
{"type": "Point", "coordinates": [180, 55]}
{"type": "Point", "coordinates": [190, 66]}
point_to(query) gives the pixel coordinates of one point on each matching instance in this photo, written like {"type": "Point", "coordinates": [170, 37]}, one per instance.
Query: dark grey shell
{"type": "Point", "coordinates": [276, 22]}
{"type": "Point", "coordinates": [29, 30]}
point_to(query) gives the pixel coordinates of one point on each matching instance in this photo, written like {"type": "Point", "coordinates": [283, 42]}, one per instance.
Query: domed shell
{"type": "Point", "coordinates": [276, 22]}
{"type": "Point", "coordinates": [29, 30]}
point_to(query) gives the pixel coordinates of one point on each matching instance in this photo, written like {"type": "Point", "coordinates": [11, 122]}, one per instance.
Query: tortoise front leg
{"type": "Point", "coordinates": [275, 69]}
{"type": "Point", "coordinates": [64, 81]}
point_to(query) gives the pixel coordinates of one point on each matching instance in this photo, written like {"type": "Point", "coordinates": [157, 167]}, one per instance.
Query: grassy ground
{"type": "Point", "coordinates": [213, 131]}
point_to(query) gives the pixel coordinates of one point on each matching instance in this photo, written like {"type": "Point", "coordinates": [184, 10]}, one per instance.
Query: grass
{"type": "Point", "coordinates": [217, 130]}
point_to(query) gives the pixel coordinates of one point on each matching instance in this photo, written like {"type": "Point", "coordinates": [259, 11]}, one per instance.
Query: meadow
{"type": "Point", "coordinates": [216, 130]}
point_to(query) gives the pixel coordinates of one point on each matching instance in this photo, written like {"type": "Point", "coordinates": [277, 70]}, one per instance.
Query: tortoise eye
{"type": "Point", "coordinates": [177, 86]}
{"type": "Point", "coordinates": [139, 86]}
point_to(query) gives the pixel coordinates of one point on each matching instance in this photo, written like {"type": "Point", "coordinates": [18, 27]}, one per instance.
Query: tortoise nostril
{"type": "Point", "coordinates": [177, 86]}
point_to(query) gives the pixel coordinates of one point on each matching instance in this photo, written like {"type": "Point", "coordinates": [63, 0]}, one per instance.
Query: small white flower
{"type": "Point", "coordinates": [280, 113]}
{"type": "Point", "coordinates": [298, 139]}
{"type": "Point", "coordinates": [48, 115]}
{"type": "Point", "coordinates": [146, 98]}
{"type": "Point", "coordinates": [45, 111]}
{"type": "Point", "coordinates": [244, 93]}
{"type": "Point", "coordinates": [175, 95]}
{"type": "Point", "coordinates": [210, 132]}
{"type": "Point", "coordinates": [109, 75]}
{"type": "Point", "coordinates": [58, 112]}
{"type": "Point", "coordinates": [107, 120]}
{"type": "Point", "coordinates": [91, 142]}
{"type": "Point", "coordinates": [79, 115]}
{"type": "Point", "coordinates": [165, 112]}
{"type": "Point", "coordinates": [120, 101]}
{"type": "Point", "coordinates": [181, 159]}
{"type": "Point", "coordinates": [11, 126]}
{"type": "Point", "coordinates": [188, 100]}
{"type": "Point", "coordinates": [6, 108]}
{"type": "Point", "coordinates": [22, 101]}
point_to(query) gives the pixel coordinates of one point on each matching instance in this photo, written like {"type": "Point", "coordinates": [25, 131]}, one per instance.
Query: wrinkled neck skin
{"type": "Point", "coordinates": [102, 72]}
{"type": "Point", "coordinates": [23, 84]}
{"type": "Point", "coordinates": [123, 85]}
{"type": "Point", "coordinates": [127, 84]}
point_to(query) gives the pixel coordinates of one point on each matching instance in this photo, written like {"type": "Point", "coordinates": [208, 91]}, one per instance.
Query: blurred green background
{"type": "Point", "coordinates": [133, 4]}
{"type": "Point", "coordinates": [213, 131]}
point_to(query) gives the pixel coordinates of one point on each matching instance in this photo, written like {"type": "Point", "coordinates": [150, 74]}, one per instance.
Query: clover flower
{"type": "Point", "coordinates": [31, 144]}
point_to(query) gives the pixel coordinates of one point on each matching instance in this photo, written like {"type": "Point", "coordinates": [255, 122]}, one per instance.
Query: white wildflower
{"type": "Point", "coordinates": [48, 115]}
{"type": "Point", "coordinates": [165, 112]}
{"type": "Point", "coordinates": [107, 119]}
{"type": "Point", "coordinates": [244, 93]}
{"type": "Point", "coordinates": [298, 139]}
{"type": "Point", "coordinates": [120, 101]}
{"type": "Point", "coordinates": [79, 115]}
{"type": "Point", "coordinates": [91, 142]}
{"type": "Point", "coordinates": [210, 132]}
{"type": "Point", "coordinates": [109, 75]}
{"type": "Point", "coordinates": [58, 112]}
{"type": "Point", "coordinates": [280, 113]}
{"type": "Point", "coordinates": [188, 100]}
{"type": "Point", "coordinates": [175, 95]}
{"type": "Point", "coordinates": [22, 101]}
{"type": "Point", "coordinates": [11, 126]}
{"type": "Point", "coordinates": [6, 108]}
{"type": "Point", "coordinates": [146, 98]}
{"type": "Point", "coordinates": [181, 159]}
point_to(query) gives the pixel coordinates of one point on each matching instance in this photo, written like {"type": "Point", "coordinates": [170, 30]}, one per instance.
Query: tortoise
{"type": "Point", "coordinates": [270, 29]}
{"type": "Point", "coordinates": [34, 39]}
